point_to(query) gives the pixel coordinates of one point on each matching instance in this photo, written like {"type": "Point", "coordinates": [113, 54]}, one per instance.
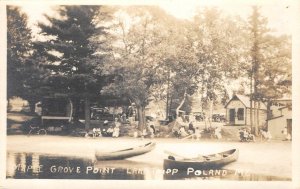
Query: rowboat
{"type": "Point", "coordinates": [211, 161]}
{"type": "Point", "coordinates": [125, 153]}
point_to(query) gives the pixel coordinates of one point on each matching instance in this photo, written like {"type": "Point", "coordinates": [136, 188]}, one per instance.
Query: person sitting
{"type": "Point", "coordinates": [117, 123]}
{"type": "Point", "coordinates": [266, 134]}
{"type": "Point", "coordinates": [116, 132]}
{"type": "Point", "coordinates": [151, 131]}
{"type": "Point", "coordinates": [182, 132]}
{"type": "Point", "coordinates": [109, 131]}
{"type": "Point", "coordinates": [96, 132]}
{"type": "Point", "coordinates": [191, 128]}
{"type": "Point", "coordinates": [197, 133]}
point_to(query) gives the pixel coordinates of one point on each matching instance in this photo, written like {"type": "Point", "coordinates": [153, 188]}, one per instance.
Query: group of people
{"type": "Point", "coordinates": [266, 134]}
{"type": "Point", "coordinates": [246, 135]}
{"type": "Point", "coordinates": [189, 130]}
{"type": "Point", "coordinates": [111, 131]}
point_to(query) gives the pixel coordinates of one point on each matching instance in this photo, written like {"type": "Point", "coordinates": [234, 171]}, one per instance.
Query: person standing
{"type": "Point", "coordinates": [116, 130]}
{"type": "Point", "coordinates": [286, 134]}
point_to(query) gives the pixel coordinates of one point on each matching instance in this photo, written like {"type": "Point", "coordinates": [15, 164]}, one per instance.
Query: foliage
{"type": "Point", "coordinates": [271, 60]}
{"type": "Point", "coordinates": [138, 56]}
{"type": "Point", "coordinates": [18, 50]}
{"type": "Point", "coordinates": [75, 47]}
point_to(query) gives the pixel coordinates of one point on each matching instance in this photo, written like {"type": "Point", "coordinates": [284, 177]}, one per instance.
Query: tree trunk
{"type": "Point", "coordinates": [251, 104]}
{"type": "Point", "coordinates": [211, 105]}
{"type": "Point", "coordinates": [257, 119]}
{"type": "Point", "coordinates": [8, 105]}
{"type": "Point", "coordinates": [181, 104]}
{"type": "Point", "coordinates": [32, 106]}
{"type": "Point", "coordinates": [269, 114]}
{"type": "Point", "coordinates": [168, 96]}
{"type": "Point", "coordinates": [170, 108]}
{"type": "Point", "coordinates": [71, 110]}
{"type": "Point", "coordinates": [87, 113]}
{"type": "Point", "coordinates": [141, 117]}
{"type": "Point", "coordinates": [76, 113]}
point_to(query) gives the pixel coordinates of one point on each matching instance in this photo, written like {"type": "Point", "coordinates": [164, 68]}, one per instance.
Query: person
{"type": "Point", "coordinates": [116, 132]}
{"type": "Point", "coordinates": [218, 133]}
{"type": "Point", "coordinates": [197, 133]}
{"type": "Point", "coordinates": [144, 133]}
{"type": "Point", "coordinates": [191, 128]}
{"type": "Point", "coordinates": [117, 123]}
{"type": "Point", "coordinates": [182, 132]}
{"type": "Point", "coordinates": [123, 117]}
{"type": "Point", "coordinates": [287, 135]}
{"type": "Point", "coordinates": [96, 132]}
{"type": "Point", "coordinates": [151, 130]}
{"type": "Point", "coordinates": [266, 134]}
{"type": "Point", "coordinates": [109, 131]}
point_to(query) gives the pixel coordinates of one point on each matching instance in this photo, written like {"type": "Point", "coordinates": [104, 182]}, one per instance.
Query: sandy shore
{"type": "Point", "coordinates": [267, 158]}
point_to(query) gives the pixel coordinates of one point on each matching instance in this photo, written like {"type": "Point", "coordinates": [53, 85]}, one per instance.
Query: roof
{"type": "Point", "coordinates": [288, 107]}
{"type": "Point", "coordinates": [275, 117]}
{"type": "Point", "coordinates": [246, 101]}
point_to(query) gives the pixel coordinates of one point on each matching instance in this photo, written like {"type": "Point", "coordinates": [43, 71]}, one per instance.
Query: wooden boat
{"type": "Point", "coordinates": [211, 161]}
{"type": "Point", "coordinates": [126, 153]}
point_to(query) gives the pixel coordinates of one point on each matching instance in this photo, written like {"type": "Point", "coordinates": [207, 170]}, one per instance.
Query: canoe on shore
{"type": "Point", "coordinates": [125, 153]}
{"type": "Point", "coordinates": [211, 161]}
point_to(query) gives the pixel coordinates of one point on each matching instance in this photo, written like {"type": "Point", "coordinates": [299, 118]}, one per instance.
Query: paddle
{"type": "Point", "coordinates": [189, 136]}
{"type": "Point", "coordinates": [176, 155]}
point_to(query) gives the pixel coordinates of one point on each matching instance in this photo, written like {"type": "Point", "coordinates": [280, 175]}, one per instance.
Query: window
{"type": "Point", "coordinates": [240, 114]}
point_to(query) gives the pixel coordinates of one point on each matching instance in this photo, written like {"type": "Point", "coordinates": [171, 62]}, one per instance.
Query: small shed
{"type": "Point", "coordinates": [238, 111]}
{"type": "Point", "coordinates": [279, 122]}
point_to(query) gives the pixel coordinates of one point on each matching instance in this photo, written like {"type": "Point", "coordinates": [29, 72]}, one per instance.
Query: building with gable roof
{"type": "Point", "coordinates": [281, 118]}
{"type": "Point", "coordinates": [238, 111]}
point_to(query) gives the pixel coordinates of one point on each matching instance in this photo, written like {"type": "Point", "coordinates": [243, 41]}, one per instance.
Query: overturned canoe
{"type": "Point", "coordinates": [126, 153]}
{"type": "Point", "coordinates": [211, 161]}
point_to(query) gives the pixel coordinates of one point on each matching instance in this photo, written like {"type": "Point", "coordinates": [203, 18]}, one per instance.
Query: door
{"type": "Point", "coordinates": [289, 126]}
{"type": "Point", "coordinates": [231, 116]}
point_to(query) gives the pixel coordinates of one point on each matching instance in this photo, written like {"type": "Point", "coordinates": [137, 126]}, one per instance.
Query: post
{"type": "Point", "coordinates": [87, 114]}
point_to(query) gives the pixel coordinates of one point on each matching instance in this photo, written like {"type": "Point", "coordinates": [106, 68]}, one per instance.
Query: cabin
{"type": "Point", "coordinates": [238, 111]}
{"type": "Point", "coordinates": [281, 119]}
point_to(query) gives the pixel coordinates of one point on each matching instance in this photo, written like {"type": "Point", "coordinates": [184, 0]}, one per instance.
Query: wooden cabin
{"type": "Point", "coordinates": [281, 119]}
{"type": "Point", "coordinates": [238, 111]}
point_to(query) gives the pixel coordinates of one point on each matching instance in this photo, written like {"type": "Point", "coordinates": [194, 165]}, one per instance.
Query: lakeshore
{"type": "Point", "coordinates": [266, 158]}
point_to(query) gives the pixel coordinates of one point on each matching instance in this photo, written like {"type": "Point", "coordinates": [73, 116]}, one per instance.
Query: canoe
{"type": "Point", "coordinates": [211, 161]}
{"type": "Point", "coordinates": [125, 153]}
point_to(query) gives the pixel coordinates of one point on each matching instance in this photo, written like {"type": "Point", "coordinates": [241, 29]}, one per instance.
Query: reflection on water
{"type": "Point", "coordinates": [39, 166]}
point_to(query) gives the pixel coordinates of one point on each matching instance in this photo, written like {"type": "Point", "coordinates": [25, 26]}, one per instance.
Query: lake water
{"type": "Point", "coordinates": [42, 166]}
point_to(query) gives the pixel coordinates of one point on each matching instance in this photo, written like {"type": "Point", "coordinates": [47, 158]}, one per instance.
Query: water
{"type": "Point", "coordinates": [42, 166]}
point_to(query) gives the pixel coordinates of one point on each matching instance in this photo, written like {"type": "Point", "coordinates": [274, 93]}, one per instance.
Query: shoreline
{"type": "Point", "coordinates": [266, 158]}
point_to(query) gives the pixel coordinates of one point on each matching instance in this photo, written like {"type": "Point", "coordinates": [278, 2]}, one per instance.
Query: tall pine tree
{"type": "Point", "coordinates": [75, 46]}
{"type": "Point", "coordinates": [18, 50]}
{"type": "Point", "coordinates": [270, 71]}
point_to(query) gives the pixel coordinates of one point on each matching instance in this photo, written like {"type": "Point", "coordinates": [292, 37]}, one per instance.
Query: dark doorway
{"type": "Point", "coordinates": [289, 126]}
{"type": "Point", "coordinates": [231, 116]}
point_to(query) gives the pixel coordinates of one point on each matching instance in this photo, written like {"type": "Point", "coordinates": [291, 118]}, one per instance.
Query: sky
{"type": "Point", "coordinates": [277, 12]}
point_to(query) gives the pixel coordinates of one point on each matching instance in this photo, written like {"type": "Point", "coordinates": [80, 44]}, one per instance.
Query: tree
{"type": "Point", "coordinates": [217, 46]}
{"type": "Point", "coordinates": [75, 48]}
{"type": "Point", "coordinates": [138, 57]}
{"type": "Point", "coordinates": [270, 69]}
{"type": "Point", "coordinates": [18, 50]}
